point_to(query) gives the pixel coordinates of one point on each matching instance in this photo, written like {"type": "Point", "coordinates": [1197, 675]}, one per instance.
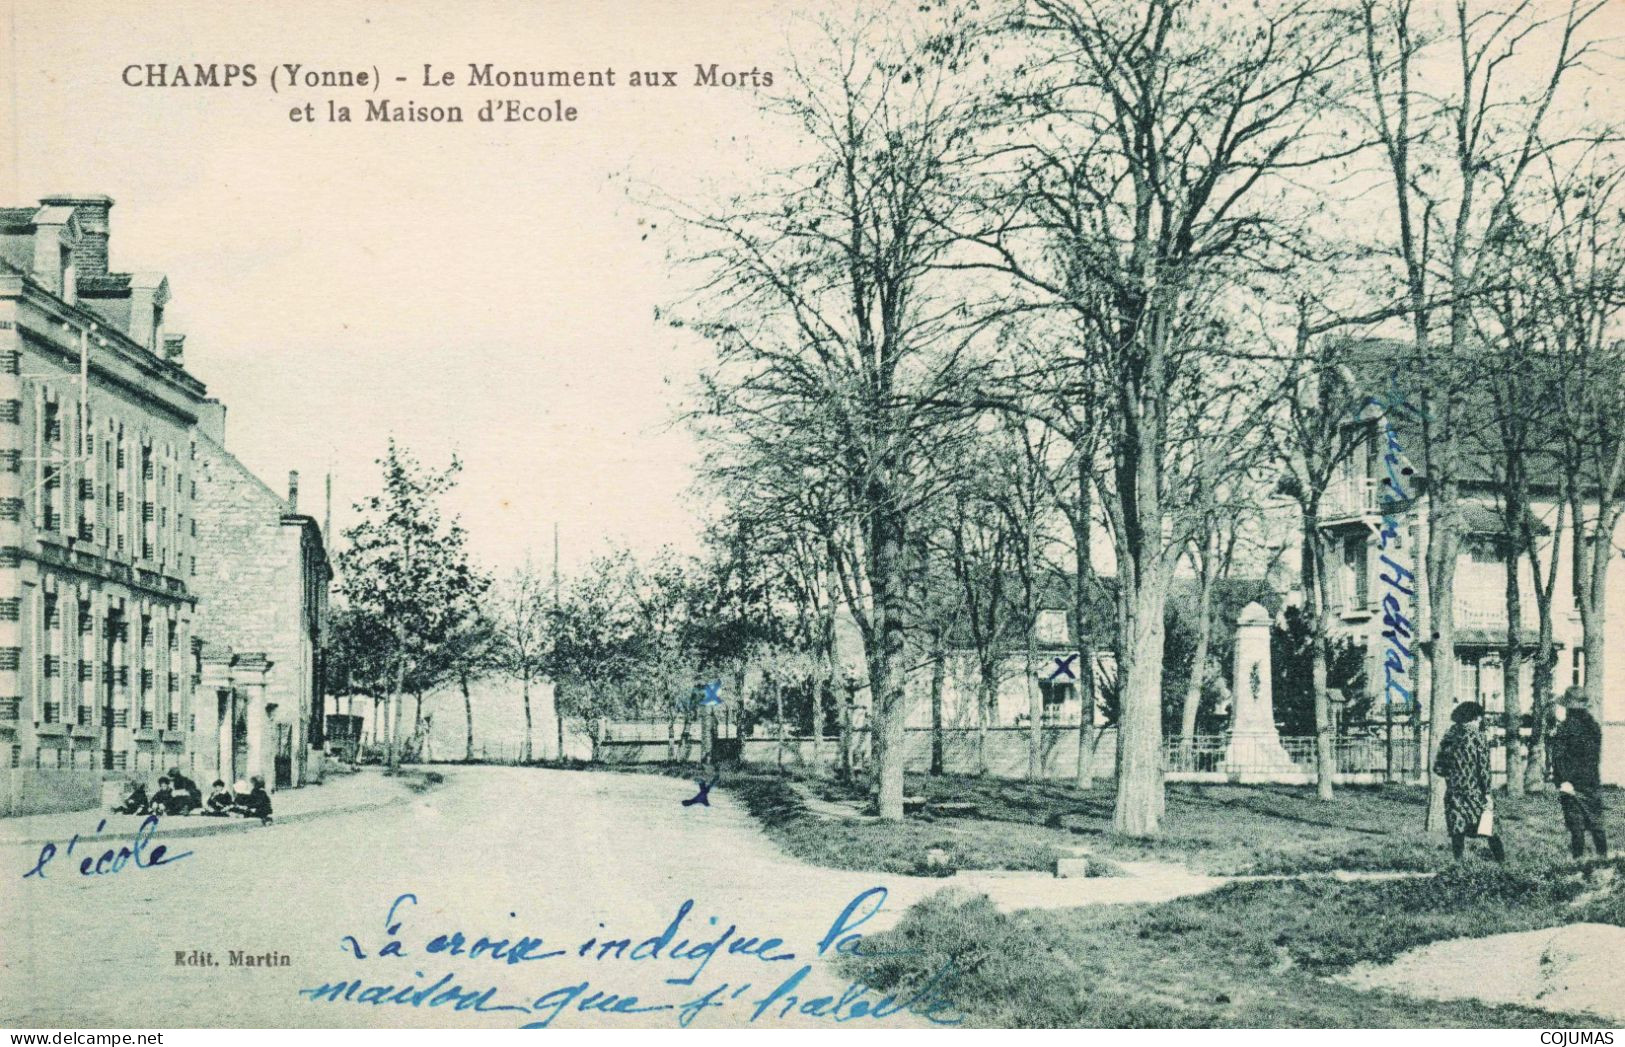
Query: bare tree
{"type": "Point", "coordinates": [520, 621]}
{"type": "Point", "coordinates": [1151, 153]}
{"type": "Point", "coordinates": [1457, 153]}
{"type": "Point", "coordinates": [833, 330]}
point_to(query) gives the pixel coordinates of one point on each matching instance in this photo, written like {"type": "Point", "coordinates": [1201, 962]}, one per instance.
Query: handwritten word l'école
{"type": "Point", "coordinates": [111, 861]}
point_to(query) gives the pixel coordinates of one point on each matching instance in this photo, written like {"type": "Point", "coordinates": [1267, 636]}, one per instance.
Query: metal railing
{"type": "Point", "coordinates": [1367, 754]}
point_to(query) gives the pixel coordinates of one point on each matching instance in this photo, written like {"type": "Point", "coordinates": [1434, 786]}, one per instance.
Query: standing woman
{"type": "Point", "coordinates": [1464, 763]}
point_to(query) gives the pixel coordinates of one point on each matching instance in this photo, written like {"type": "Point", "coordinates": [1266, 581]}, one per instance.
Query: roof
{"type": "Point", "coordinates": [1386, 373]}
{"type": "Point", "coordinates": [1228, 597]}
{"type": "Point", "coordinates": [1479, 518]}
{"type": "Point", "coordinates": [104, 282]}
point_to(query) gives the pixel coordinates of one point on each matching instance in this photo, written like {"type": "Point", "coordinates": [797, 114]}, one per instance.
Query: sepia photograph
{"type": "Point", "coordinates": [811, 515]}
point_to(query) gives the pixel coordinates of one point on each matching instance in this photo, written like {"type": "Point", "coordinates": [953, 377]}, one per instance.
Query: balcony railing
{"type": "Point", "coordinates": [1489, 611]}
{"type": "Point", "coordinates": [50, 712]}
{"type": "Point", "coordinates": [10, 709]}
{"type": "Point", "coordinates": [146, 719]}
{"type": "Point", "coordinates": [84, 716]}
{"type": "Point", "coordinates": [174, 722]}
{"type": "Point", "coordinates": [1349, 499]}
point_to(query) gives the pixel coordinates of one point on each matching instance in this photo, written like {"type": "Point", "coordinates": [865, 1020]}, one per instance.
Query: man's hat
{"type": "Point", "coordinates": [1573, 698]}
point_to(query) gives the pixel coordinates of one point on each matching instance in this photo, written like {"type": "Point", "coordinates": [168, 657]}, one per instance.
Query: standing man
{"type": "Point", "coordinates": [1576, 758]}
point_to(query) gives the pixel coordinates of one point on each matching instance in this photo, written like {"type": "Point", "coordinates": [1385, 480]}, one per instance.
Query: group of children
{"type": "Point", "coordinates": [178, 794]}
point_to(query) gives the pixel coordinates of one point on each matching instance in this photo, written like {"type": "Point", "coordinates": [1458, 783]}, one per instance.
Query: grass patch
{"type": "Point", "coordinates": [1249, 955]}
{"type": "Point", "coordinates": [1250, 829]}
{"type": "Point", "coordinates": [895, 847]}
{"type": "Point", "coordinates": [1216, 829]}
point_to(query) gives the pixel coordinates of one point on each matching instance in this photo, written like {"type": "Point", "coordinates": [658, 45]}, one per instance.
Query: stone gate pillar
{"type": "Point", "coordinates": [252, 673]}
{"type": "Point", "coordinates": [213, 704]}
{"type": "Point", "coordinates": [1255, 745]}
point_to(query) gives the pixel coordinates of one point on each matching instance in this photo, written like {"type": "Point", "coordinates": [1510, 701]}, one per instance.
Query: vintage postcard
{"type": "Point", "coordinates": [811, 514]}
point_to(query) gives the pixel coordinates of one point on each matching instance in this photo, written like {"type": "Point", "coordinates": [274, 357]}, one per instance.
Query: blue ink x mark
{"type": "Point", "coordinates": [1064, 666]}
{"type": "Point", "coordinates": [713, 693]}
{"type": "Point", "coordinates": [704, 797]}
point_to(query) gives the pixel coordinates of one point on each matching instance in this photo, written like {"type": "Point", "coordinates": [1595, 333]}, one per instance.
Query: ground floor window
{"type": "Point", "coordinates": [1058, 697]}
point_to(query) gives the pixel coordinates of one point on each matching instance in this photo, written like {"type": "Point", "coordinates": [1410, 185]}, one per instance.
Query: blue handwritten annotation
{"type": "Point", "coordinates": [1399, 581]}
{"type": "Point", "coordinates": [692, 954]}
{"type": "Point", "coordinates": [111, 861]}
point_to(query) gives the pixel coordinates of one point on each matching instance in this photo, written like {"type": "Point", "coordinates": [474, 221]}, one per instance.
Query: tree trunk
{"type": "Point", "coordinates": [1082, 579]}
{"type": "Point", "coordinates": [888, 692]}
{"type": "Point", "coordinates": [1193, 687]}
{"type": "Point", "coordinates": [558, 716]}
{"type": "Point", "coordinates": [939, 673]}
{"type": "Point", "coordinates": [826, 689]}
{"type": "Point", "coordinates": [468, 718]}
{"type": "Point", "coordinates": [846, 734]}
{"type": "Point", "coordinates": [525, 752]}
{"type": "Point", "coordinates": [1139, 805]}
{"type": "Point", "coordinates": [1314, 577]}
{"type": "Point", "coordinates": [987, 704]}
{"type": "Point", "coordinates": [778, 704]}
{"type": "Point", "coordinates": [1441, 575]}
{"type": "Point", "coordinates": [1541, 700]}
{"type": "Point", "coordinates": [1035, 695]}
{"type": "Point", "coordinates": [1325, 750]}
{"type": "Point", "coordinates": [395, 708]}
{"type": "Point", "coordinates": [1512, 667]}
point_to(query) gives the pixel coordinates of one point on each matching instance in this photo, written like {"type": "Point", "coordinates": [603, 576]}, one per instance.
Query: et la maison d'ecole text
{"type": "Point", "coordinates": [293, 77]}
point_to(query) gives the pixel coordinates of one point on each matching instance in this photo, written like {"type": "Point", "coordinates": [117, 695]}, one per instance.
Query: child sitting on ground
{"type": "Point", "coordinates": [135, 800]}
{"type": "Point", "coordinates": [220, 800]}
{"type": "Point", "coordinates": [164, 800]}
{"type": "Point", "coordinates": [256, 803]}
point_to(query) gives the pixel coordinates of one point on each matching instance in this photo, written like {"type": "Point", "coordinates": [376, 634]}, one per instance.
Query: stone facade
{"type": "Point", "coordinates": [97, 616]}
{"type": "Point", "coordinates": [262, 581]}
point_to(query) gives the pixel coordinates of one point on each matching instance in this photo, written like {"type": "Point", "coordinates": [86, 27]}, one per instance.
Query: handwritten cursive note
{"type": "Point", "coordinates": [1398, 579]}
{"type": "Point", "coordinates": [112, 860]}
{"type": "Point", "coordinates": [679, 946]}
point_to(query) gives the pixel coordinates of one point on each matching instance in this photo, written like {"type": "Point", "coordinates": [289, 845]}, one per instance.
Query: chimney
{"type": "Point", "coordinates": [211, 421]}
{"type": "Point", "coordinates": [293, 490]}
{"type": "Point", "coordinates": [90, 256]}
{"type": "Point", "coordinates": [175, 349]}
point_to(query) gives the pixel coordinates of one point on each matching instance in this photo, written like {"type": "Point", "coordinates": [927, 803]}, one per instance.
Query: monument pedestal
{"type": "Point", "coordinates": [1255, 746]}
{"type": "Point", "coordinates": [1258, 752]}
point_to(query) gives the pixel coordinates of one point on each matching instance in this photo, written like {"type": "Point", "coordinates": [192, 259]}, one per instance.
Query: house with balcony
{"type": "Point", "coordinates": [1374, 515]}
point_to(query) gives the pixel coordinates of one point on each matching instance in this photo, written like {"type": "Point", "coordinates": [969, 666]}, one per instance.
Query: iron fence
{"type": "Point", "coordinates": [1385, 753]}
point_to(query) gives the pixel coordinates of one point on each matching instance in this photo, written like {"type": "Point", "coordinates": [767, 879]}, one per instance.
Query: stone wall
{"type": "Point", "coordinates": [40, 790]}
{"type": "Point", "coordinates": [251, 586]}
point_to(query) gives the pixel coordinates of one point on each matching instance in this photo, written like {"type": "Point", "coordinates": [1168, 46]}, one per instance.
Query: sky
{"type": "Point", "coordinates": [484, 290]}
{"type": "Point", "coordinates": [487, 290]}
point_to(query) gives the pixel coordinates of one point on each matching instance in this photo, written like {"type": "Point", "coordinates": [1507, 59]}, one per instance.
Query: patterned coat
{"type": "Point", "coordinates": [1464, 763]}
